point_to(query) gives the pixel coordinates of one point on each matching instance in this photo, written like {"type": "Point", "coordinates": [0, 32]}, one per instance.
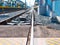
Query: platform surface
{"type": "Point", "coordinates": [13, 41]}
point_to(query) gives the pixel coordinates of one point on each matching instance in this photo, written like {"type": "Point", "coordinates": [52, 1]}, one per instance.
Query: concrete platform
{"type": "Point", "coordinates": [22, 41]}
{"type": "Point", "coordinates": [13, 41]}
{"type": "Point", "coordinates": [46, 41]}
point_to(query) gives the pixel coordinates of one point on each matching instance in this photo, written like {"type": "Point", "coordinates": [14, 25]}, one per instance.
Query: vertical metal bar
{"type": "Point", "coordinates": [30, 33]}
{"type": "Point", "coordinates": [32, 28]}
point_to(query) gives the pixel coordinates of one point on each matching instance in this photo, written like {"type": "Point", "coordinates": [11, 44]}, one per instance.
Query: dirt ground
{"type": "Point", "coordinates": [46, 32]}
{"type": "Point", "coordinates": [22, 31]}
{"type": "Point", "coordinates": [14, 31]}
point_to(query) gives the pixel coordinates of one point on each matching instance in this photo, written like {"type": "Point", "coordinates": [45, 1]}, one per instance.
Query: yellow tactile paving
{"type": "Point", "coordinates": [53, 41]}
{"type": "Point", "coordinates": [12, 41]}
{"type": "Point", "coordinates": [22, 41]}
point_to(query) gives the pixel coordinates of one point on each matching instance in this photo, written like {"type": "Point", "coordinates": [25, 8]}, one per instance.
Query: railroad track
{"type": "Point", "coordinates": [9, 16]}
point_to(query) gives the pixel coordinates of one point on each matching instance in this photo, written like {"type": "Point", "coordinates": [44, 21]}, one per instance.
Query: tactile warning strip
{"type": "Point", "coordinates": [12, 41]}
{"type": "Point", "coordinates": [53, 41]}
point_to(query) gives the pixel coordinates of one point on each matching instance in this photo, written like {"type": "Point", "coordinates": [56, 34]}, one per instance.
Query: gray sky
{"type": "Point", "coordinates": [29, 2]}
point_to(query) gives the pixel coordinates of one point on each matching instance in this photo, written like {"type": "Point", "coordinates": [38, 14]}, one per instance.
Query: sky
{"type": "Point", "coordinates": [29, 2]}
